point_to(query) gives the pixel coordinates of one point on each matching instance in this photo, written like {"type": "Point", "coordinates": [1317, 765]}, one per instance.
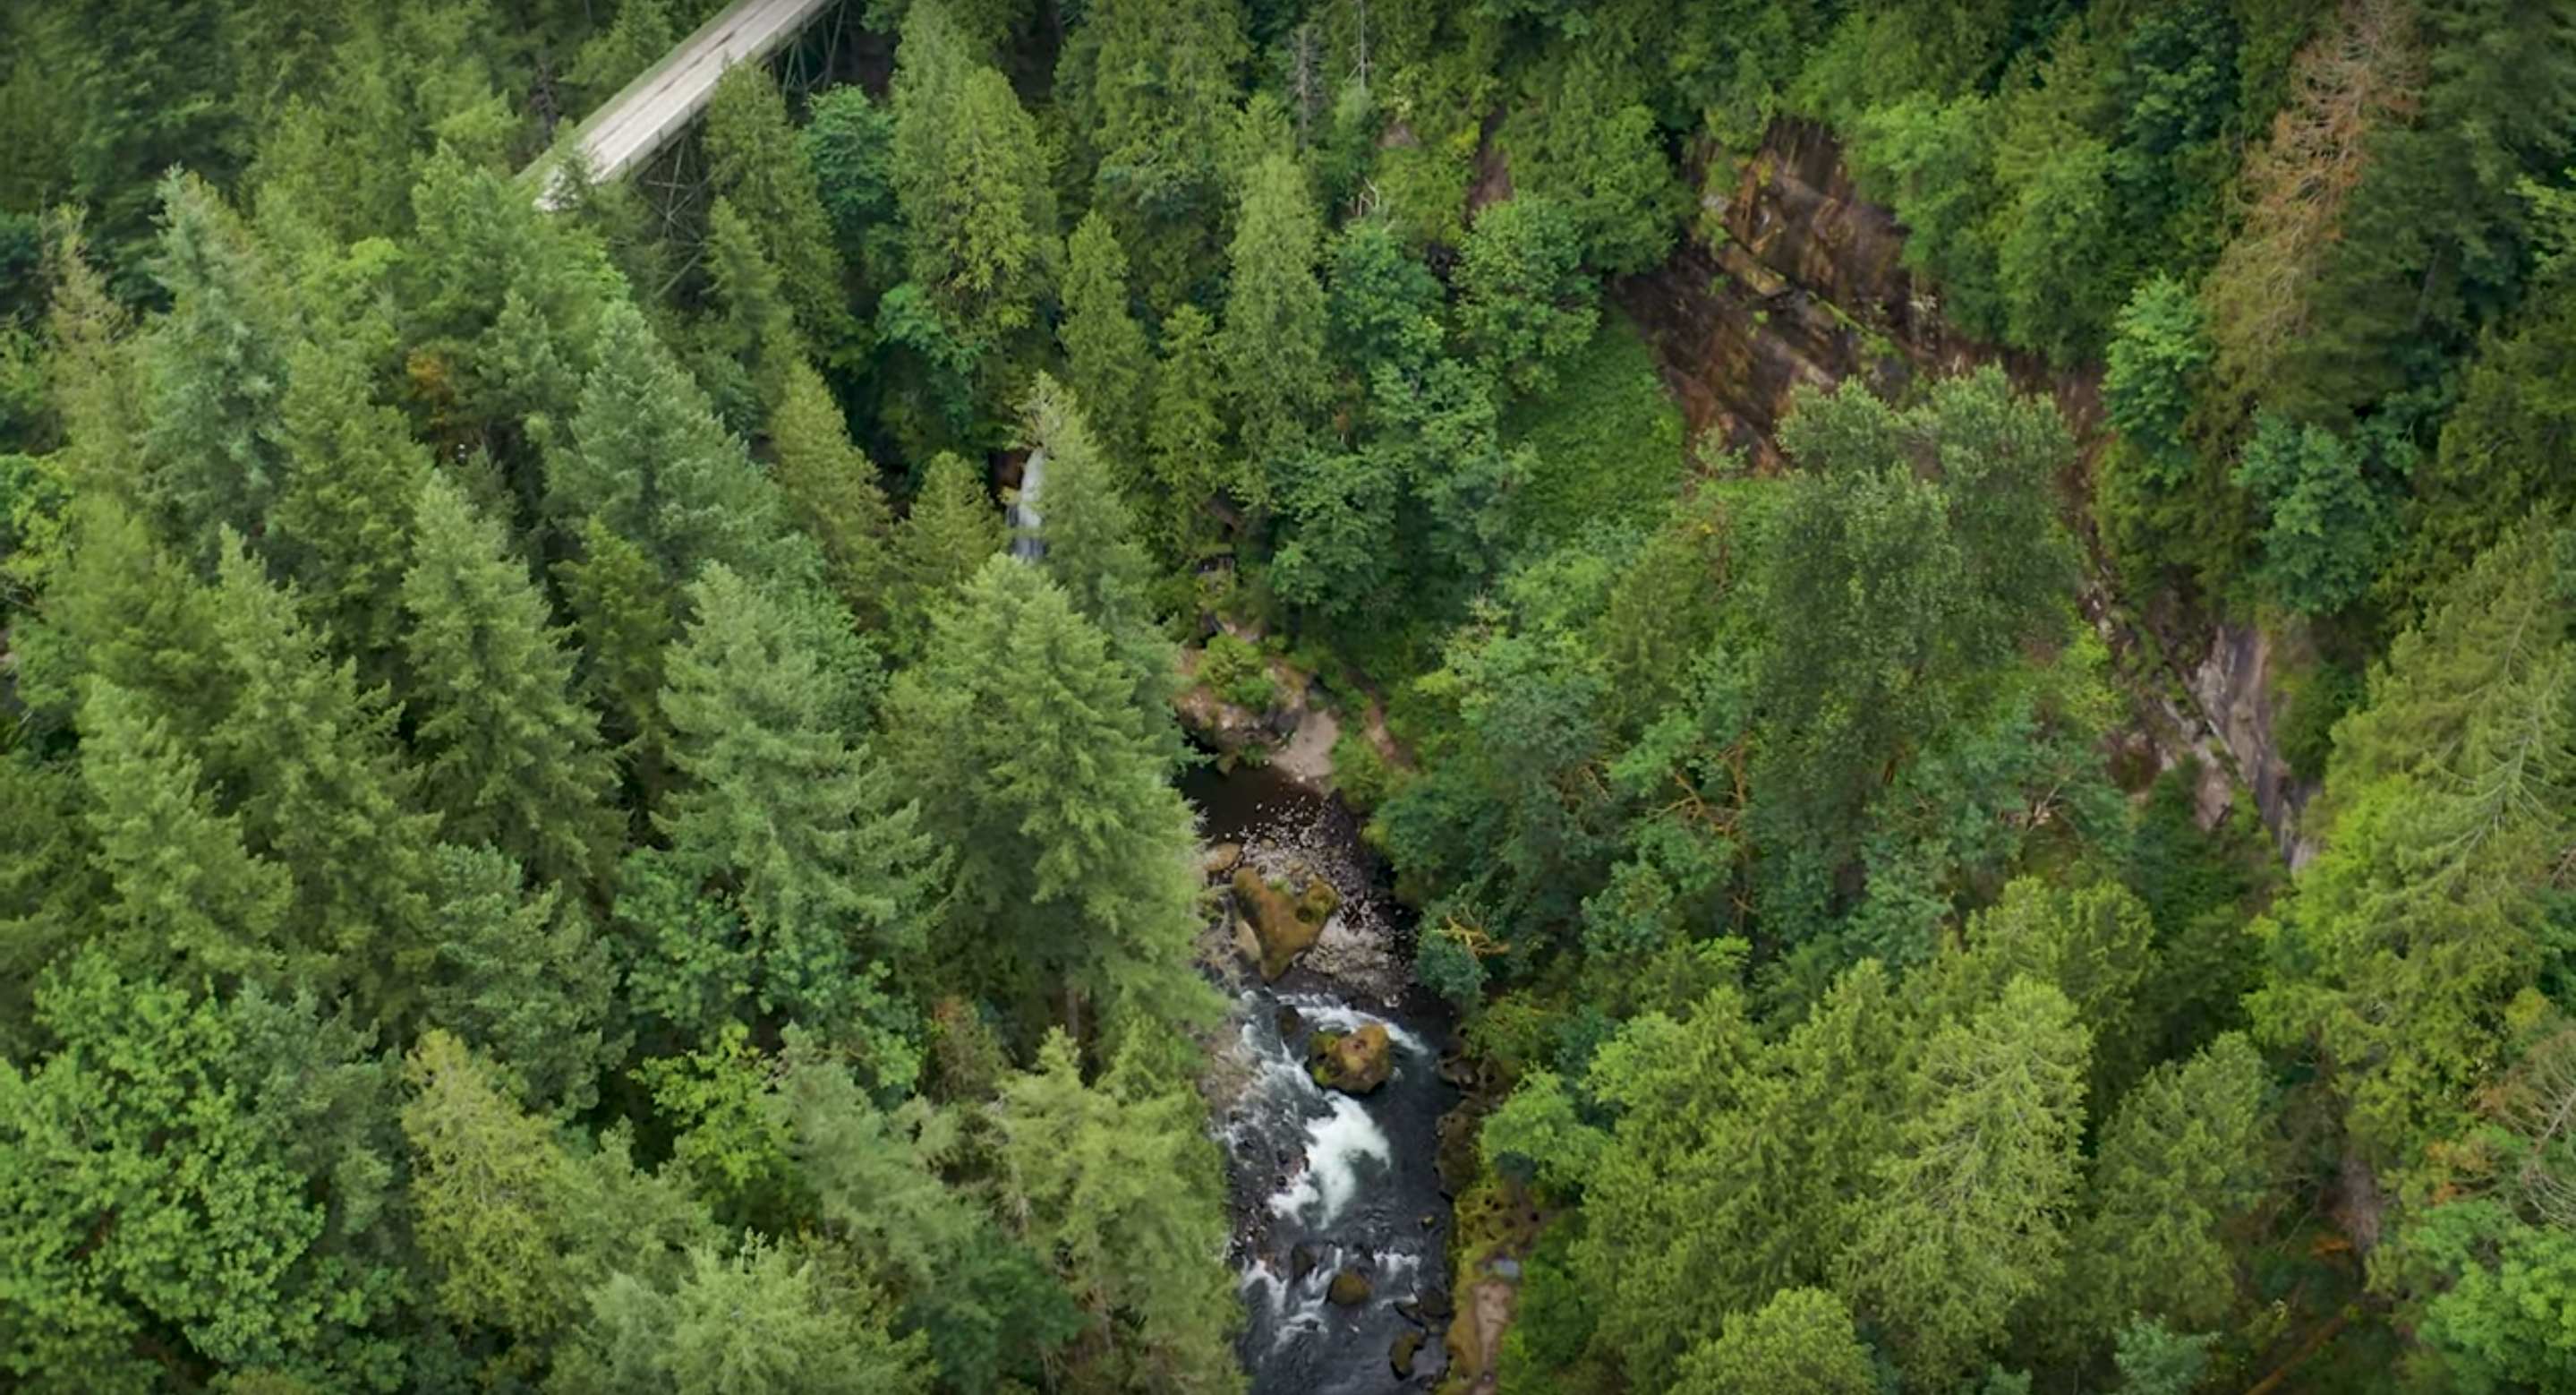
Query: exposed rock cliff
{"type": "Point", "coordinates": [1796, 278]}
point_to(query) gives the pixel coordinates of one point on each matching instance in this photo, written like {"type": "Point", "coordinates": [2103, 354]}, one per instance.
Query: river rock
{"type": "Point", "coordinates": [1409, 1309]}
{"type": "Point", "coordinates": [1284, 926]}
{"type": "Point", "coordinates": [1220, 860]}
{"type": "Point", "coordinates": [1301, 1262]}
{"type": "Point", "coordinates": [1408, 1344]}
{"type": "Point", "coordinates": [1436, 1305]}
{"type": "Point", "coordinates": [1353, 1063]}
{"type": "Point", "coordinates": [1349, 1289]}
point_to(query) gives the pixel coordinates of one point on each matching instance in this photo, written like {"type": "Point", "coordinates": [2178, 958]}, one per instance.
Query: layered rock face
{"type": "Point", "coordinates": [1796, 278]}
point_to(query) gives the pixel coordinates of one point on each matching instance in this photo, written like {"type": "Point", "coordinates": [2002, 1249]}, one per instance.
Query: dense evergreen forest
{"type": "Point", "coordinates": [550, 839]}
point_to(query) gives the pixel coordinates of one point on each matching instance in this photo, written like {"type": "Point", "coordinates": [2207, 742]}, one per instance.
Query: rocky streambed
{"type": "Point", "coordinates": [1334, 1087]}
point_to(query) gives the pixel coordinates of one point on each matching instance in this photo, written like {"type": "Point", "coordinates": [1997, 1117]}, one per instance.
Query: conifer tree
{"type": "Point", "coordinates": [322, 792]}
{"type": "Point", "coordinates": [509, 758]}
{"type": "Point", "coordinates": [795, 823]}
{"type": "Point", "coordinates": [483, 1193]}
{"type": "Point", "coordinates": [1020, 735]}
{"type": "Point", "coordinates": [753, 329]}
{"type": "Point", "coordinates": [522, 977]}
{"type": "Point", "coordinates": [1273, 342]}
{"type": "Point", "coordinates": [832, 492]}
{"type": "Point", "coordinates": [1106, 357]}
{"type": "Point", "coordinates": [1969, 1219]}
{"type": "Point", "coordinates": [2182, 1154]}
{"type": "Point", "coordinates": [214, 376]}
{"type": "Point", "coordinates": [627, 616]}
{"type": "Point", "coordinates": [648, 458]}
{"type": "Point", "coordinates": [1117, 1183]}
{"type": "Point", "coordinates": [1185, 449]}
{"type": "Point", "coordinates": [187, 896]}
{"type": "Point", "coordinates": [1153, 90]}
{"type": "Point", "coordinates": [342, 527]}
{"type": "Point", "coordinates": [1799, 1343]}
{"type": "Point", "coordinates": [124, 609]}
{"type": "Point", "coordinates": [952, 529]}
{"type": "Point", "coordinates": [761, 171]}
{"type": "Point", "coordinates": [970, 182]}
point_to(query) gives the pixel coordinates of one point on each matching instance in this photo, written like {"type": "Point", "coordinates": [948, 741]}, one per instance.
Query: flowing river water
{"type": "Point", "coordinates": [1325, 1184]}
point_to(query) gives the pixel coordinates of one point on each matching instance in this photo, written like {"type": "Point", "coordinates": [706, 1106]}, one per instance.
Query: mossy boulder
{"type": "Point", "coordinates": [1408, 1344]}
{"type": "Point", "coordinates": [1284, 925]}
{"type": "Point", "coordinates": [1349, 1289]}
{"type": "Point", "coordinates": [1354, 1062]}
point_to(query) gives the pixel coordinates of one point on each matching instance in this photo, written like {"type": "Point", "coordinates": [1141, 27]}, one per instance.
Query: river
{"type": "Point", "coordinates": [1325, 1184]}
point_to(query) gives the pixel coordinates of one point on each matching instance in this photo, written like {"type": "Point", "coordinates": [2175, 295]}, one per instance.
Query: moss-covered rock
{"type": "Point", "coordinates": [1349, 1289]}
{"type": "Point", "coordinates": [1283, 925]}
{"type": "Point", "coordinates": [1355, 1062]}
{"type": "Point", "coordinates": [1408, 1344]}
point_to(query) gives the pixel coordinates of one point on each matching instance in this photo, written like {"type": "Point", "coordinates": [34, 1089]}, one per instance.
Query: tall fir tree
{"type": "Point", "coordinates": [1185, 442]}
{"type": "Point", "coordinates": [793, 821]}
{"type": "Point", "coordinates": [509, 758]}
{"type": "Point", "coordinates": [187, 897]}
{"type": "Point", "coordinates": [761, 170]}
{"type": "Point", "coordinates": [321, 790]}
{"type": "Point", "coordinates": [648, 457]}
{"type": "Point", "coordinates": [214, 376]}
{"type": "Point", "coordinates": [1273, 341]}
{"type": "Point", "coordinates": [952, 529]}
{"type": "Point", "coordinates": [832, 492]}
{"type": "Point", "coordinates": [1106, 357]}
{"type": "Point", "coordinates": [1073, 881]}
{"type": "Point", "coordinates": [343, 525]}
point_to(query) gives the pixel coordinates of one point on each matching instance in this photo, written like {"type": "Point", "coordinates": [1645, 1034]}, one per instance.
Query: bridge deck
{"type": "Point", "coordinates": [641, 119]}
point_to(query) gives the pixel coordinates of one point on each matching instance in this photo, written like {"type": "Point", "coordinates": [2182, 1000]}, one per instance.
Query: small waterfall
{"type": "Point", "coordinates": [1325, 1183]}
{"type": "Point", "coordinates": [1022, 514]}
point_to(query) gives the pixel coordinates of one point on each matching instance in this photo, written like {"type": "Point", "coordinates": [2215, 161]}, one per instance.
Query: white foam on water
{"type": "Point", "coordinates": [1332, 1015]}
{"type": "Point", "coordinates": [1334, 1146]}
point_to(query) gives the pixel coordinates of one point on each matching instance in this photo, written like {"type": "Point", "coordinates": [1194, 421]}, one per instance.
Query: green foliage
{"type": "Point", "coordinates": [970, 183]}
{"type": "Point", "coordinates": [1605, 441]}
{"type": "Point", "coordinates": [2180, 1156]}
{"type": "Point", "coordinates": [150, 1191]}
{"type": "Point", "coordinates": [509, 757]}
{"type": "Point", "coordinates": [2418, 925]}
{"type": "Point", "coordinates": [1598, 154]}
{"type": "Point", "coordinates": [1185, 449]}
{"type": "Point", "coordinates": [1113, 1183]}
{"type": "Point", "coordinates": [1272, 344]}
{"type": "Point", "coordinates": [1799, 1343]}
{"type": "Point", "coordinates": [769, 1317]}
{"type": "Point", "coordinates": [1523, 301]}
{"type": "Point", "coordinates": [952, 529]}
{"type": "Point", "coordinates": [1891, 594]}
{"type": "Point", "coordinates": [832, 492]}
{"type": "Point", "coordinates": [214, 375]}
{"type": "Point", "coordinates": [522, 978]}
{"type": "Point", "coordinates": [1021, 738]}
{"type": "Point", "coordinates": [1107, 358]}
{"type": "Point", "coordinates": [2329, 527]}
{"type": "Point", "coordinates": [761, 171]}
{"type": "Point", "coordinates": [483, 1194]}
{"type": "Point", "coordinates": [185, 893]}
{"type": "Point", "coordinates": [323, 792]}
{"type": "Point", "coordinates": [648, 459]}
{"type": "Point", "coordinates": [1152, 93]}
{"type": "Point", "coordinates": [1970, 1218]}
{"type": "Point", "coordinates": [789, 819]}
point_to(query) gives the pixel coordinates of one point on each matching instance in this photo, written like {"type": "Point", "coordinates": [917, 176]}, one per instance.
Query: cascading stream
{"type": "Point", "coordinates": [1329, 1187]}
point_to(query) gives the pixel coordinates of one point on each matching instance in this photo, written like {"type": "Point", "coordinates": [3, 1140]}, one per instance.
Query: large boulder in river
{"type": "Point", "coordinates": [1283, 926]}
{"type": "Point", "coordinates": [1349, 1289]}
{"type": "Point", "coordinates": [1353, 1063]}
